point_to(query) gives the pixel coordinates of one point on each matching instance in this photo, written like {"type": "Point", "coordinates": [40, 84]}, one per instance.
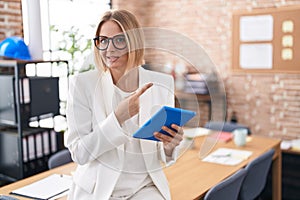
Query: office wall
{"type": "Point", "coordinates": [268, 103]}
{"type": "Point", "coordinates": [10, 18]}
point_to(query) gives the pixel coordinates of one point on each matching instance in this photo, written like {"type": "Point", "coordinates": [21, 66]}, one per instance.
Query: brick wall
{"type": "Point", "coordinates": [268, 103]}
{"type": "Point", "coordinates": [10, 18]}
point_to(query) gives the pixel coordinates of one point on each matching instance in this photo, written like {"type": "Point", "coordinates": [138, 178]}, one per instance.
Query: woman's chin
{"type": "Point", "coordinates": [112, 65]}
{"type": "Point", "coordinates": [115, 65]}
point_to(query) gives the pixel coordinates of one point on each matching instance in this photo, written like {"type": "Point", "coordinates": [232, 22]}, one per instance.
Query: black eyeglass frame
{"type": "Point", "coordinates": [109, 38]}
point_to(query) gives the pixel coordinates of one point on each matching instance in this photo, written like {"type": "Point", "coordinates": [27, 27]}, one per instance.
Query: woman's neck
{"type": "Point", "coordinates": [116, 75]}
{"type": "Point", "coordinates": [126, 80]}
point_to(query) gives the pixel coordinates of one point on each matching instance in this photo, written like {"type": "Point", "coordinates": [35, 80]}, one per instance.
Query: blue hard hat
{"type": "Point", "coordinates": [14, 47]}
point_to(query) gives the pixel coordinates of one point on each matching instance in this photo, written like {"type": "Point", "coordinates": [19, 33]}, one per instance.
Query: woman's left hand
{"type": "Point", "coordinates": [170, 142]}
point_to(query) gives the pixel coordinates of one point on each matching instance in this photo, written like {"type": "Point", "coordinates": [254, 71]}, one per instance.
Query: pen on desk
{"type": "Point", "coordinates": [221, 156]}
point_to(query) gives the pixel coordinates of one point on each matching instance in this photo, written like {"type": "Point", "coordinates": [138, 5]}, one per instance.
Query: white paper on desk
{"type": "Point", "coordinates": [195, 132]}
{"type": "Point", "coordinates": [226, 156]}
{"type": "Point", "coordinates": [46, 188]}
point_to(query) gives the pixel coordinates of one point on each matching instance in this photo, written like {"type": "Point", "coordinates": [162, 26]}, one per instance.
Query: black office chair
{"type": "Point", "coordinates": [225, 126]}
{"type": "Point", "coordinates": [5, 197]}
{"type": "Point", "coordinates": [228, 188]}
{"type": "Point", "coordinates": [256, 177]}
{"type": "Point", "coordinates": [59, 158]}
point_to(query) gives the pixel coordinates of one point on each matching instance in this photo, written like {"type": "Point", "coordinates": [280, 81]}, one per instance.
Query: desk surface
{"type": "Point", "coordinates": [190, 178]}
{"type": "Point", "coordinates": [203, 175]}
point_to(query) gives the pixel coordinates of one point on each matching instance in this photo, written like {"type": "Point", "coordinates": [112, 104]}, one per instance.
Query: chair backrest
{"type": "Point", "coordinates": [59, 158]}
{"type": "Point", "coordinates": [256, 178]}
{"type": "Point", "coordinates": [225, 126]}
{"type": "Point", "coordinates": [5, 197]}
{"type": "Point", "coordinates": [228, 188]}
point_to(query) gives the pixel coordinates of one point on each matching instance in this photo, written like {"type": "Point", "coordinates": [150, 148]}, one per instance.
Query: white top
{"type": "Point", "coordinates": [134, 175]}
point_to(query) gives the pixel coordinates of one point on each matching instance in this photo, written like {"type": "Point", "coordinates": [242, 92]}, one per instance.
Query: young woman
{"type": "Point", "coordinates": [106, 106]}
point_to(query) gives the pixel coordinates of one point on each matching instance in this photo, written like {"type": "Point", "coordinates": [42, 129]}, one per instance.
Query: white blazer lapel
{"type": "Point", "coordinates": [146, 99]}
{"type": "Point", "coordinates": [108, 92]}
{"type": "Point", "coordinates": [108, 95]}
{"type": "Point", "coordinates": [149, 148]}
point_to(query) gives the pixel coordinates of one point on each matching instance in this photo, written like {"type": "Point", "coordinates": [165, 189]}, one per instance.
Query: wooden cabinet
{"type": "Point", "coordinates": [200, 103]}
{"type": "Point", "coordinates": [207, 106]}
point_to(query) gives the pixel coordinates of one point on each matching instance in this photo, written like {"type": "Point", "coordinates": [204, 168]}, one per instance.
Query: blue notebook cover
{"type": "Point", "coordinates": [166, 116]}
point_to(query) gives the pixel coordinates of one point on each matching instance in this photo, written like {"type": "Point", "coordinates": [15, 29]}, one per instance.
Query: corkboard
{"type": "Point", "coordinates": [281, 17]}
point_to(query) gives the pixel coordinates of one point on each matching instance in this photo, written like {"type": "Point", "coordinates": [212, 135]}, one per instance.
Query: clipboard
{"type": "Point", "coordinates": [166, 116]}
{"type": "Point", "coordinates": [46, 188]}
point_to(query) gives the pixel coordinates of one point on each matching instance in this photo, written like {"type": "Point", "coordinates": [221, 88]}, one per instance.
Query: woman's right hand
{"type": "Point", "coordinates": [131, 105]}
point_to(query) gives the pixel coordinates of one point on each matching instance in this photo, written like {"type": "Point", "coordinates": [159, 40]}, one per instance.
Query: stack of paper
{"type": "Point", "coordinates": [228, 156]}
{"type": "Point", "coordinates": [195, 132]}
{"type": "Point", "coordinates": [196, 83]}
{"type": "Point", "coordinates": [285, 144]}
{"type": "Point", "coordinates": [46, 188]}
{"type": "Point", "coordinates": [296, 144]}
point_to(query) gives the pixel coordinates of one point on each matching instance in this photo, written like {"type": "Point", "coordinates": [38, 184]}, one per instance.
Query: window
{"type": "Point", "coordinates": [60, 18]}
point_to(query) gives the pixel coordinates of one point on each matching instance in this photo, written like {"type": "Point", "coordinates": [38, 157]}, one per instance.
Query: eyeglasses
{"type": "Point", "coordinates": [102, 42]}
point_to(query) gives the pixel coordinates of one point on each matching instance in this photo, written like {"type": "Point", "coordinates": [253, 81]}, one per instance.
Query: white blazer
{"type": "Point", "coordinates": [96, 140]}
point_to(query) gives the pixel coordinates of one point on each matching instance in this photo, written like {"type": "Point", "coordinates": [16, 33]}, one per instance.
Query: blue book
{"type": "Point", "coordinates": [166, 116]}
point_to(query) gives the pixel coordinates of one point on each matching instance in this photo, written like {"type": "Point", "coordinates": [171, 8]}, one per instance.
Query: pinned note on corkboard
{"type": "Point", "coordinates": [266, 40]}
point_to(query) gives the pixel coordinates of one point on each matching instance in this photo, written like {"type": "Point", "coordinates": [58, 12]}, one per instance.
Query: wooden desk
{"type": "Point", "coordinates": [291, 151]}
{"type": "Point", "coordinates": [190, 178]}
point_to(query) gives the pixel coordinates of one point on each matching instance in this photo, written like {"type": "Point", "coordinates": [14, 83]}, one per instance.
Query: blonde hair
{"type": "Point", "coordinates": [133, 34]}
